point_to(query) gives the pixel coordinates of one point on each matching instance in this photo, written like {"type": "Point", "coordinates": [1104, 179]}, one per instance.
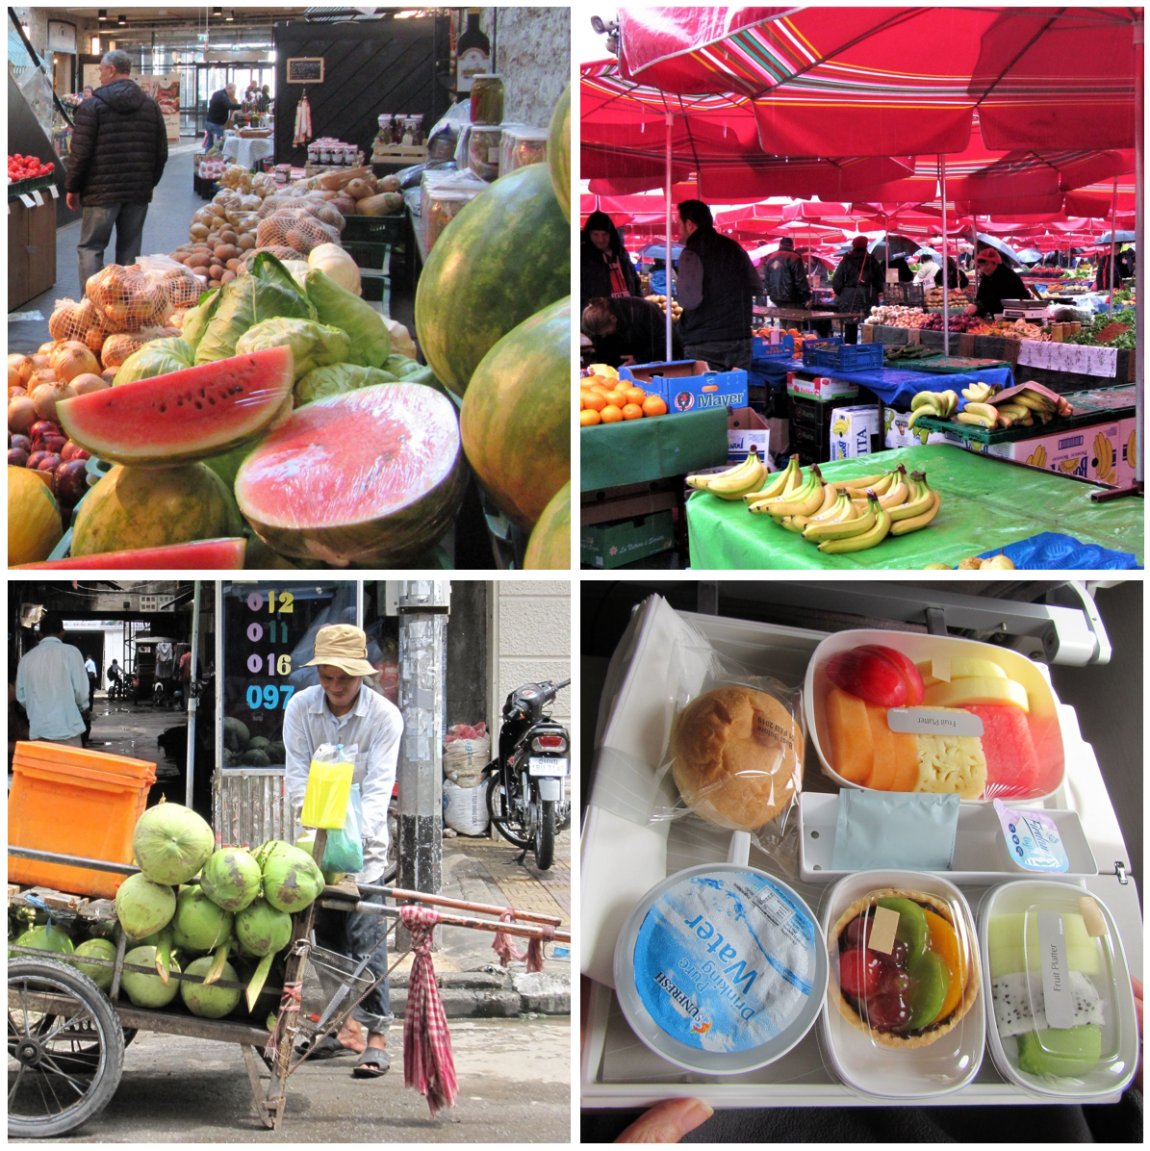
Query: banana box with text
{"type": "Point", "coordinates": [852, 430]}
{"type": "Point", "coordinates": [690, 385]}
{"type": "Point", "coordinates": [1096, 453]}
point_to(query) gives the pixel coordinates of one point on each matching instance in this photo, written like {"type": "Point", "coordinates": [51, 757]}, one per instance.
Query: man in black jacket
{"type": "Point", "coordinates": [119, 149]}
{"type": "Point", "coordinates": [717, 287]}
{"type": "Point", "coordinates": [220, 108]}
{"type": "Point", "coordinates": [628, 330]}
{"type": "Point", "coordinates": [785, 276]}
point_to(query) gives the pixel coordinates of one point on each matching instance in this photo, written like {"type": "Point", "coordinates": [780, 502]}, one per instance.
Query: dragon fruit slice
{"type": "Point", "coordinates": [1019, 1007]}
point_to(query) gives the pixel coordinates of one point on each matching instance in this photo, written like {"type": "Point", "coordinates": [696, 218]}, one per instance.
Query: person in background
{"type": "Point", "coordinates": [996, 282]}
{"type": "Point", "coordinates": [605, 268]}
{"type": "Point", "coordinates": [263, 100]}
{"type": "Point", "coordinates": [342, 709]}
{"type": "Point", "coordinates": [717, 289]}
{"type": "Point", "coordinates": [117, 156]}
{"type": "Point", "coordinates": [220, 108]}
{"type": "Point", "coordinates": [927, 269]}
{"type": "Point", "coordinates": [858, 283]}
{"type": "Point", "coordinates": [52, 686]}
{"type": "Point", "coordinates": [659, 278]}
{"type": "Point", "coordinates": [784, 275]}
{"type": "Point", "coordinates": [956, 277]}
{"type": "Point", "coordinates": [900, 262]}
{"type": "Point", "coordinates": [628, 330]}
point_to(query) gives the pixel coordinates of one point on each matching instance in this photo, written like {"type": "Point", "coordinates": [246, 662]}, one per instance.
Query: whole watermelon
{"type": "Point", "coordinates": [507, 254]}
{"type": "Point", "coordinates": [559, 151]}
{"type": "Point", "coordinates": [549, 547]}
{"type": "Point", "coordinates": [516, 415]}
{"type": "Point", "coordinates": [154, 507]}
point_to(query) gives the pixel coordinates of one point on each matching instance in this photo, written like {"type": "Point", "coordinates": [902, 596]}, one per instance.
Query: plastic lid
{"type": "Point", "coordinates": [903, 1017]}
{"type": "Point", "coordinates": [1061, 1007]}
{"type": "Point", "coordinates": [721, 969]}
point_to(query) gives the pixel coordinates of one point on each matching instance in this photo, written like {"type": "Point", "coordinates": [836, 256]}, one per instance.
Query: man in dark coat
{"type": "Point", "coordinates": [119, 149]}
{"type": "Point", "coordinates": [628, 330]}
{"type": "Point", "coordinates": [996, 282]}
{"type": "Point", "coordinates": [605, 268]}
{"type": "Point", "coordinates": [220, 108]}
{"type": "Point", "coordinates": [785, 277]}
{"type": "Point", "coordinates": [858, 283]}
{"type": "Point", "coordinates": [717, 287]}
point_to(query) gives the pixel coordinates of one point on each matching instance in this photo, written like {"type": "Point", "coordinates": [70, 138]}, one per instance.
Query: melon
{"type": "Point", "coordinates": [202, 555]}
{"type": "Point", "coordinates": [549, 548]}
{"type": "Point", "coordinates": [1011, 761]}
{"type": "Point", "coordinates": [373, 477]}
{"type": "Point", "coordinates": [506, 255]}
{"type": "Point", "coordinates": [516, 415]}
{"type": "Point", "coordinates": [559, 151]}
{"type": "Point", "coordinates": [848, 746]}
{"type": "Point", "coordinates": [34, 523]}
{"type": "Point", "coordinates": [185, 415]}
{"type": "Point", "coordinates": [154, 508]}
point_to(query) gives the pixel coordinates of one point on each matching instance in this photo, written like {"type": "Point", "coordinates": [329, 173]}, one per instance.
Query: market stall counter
{"type": "Point", "coordinates": [987, 506]}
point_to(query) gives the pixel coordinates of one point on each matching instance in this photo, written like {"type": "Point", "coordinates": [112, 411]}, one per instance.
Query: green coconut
{"type": "Point", "coordinates": [49, 937]}
{"type": "Point", "coordinates": [210, 1001]}
{"type": "Point", "coordinates": [231, 878]}
{"type": "Point", "coordinates": [199, 925]}
{"type": "Point", "coordinates": [145, 988]}
{"type": "Point", "coordinates": [262, 930]}
{"type": "Point", "coordinates": [144, 907]}
{"type": "Point", "coordinates": [100, 974]}
{"type": "Point", "coordinates": [171, 843]}
{"type": "Point", "coordinates": [291, 877]}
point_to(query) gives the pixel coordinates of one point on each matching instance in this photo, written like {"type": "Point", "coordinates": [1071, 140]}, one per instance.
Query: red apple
{"type": "Point", "coordinates": [910, 672]}
{"type": "Point", "coordinates": [869, 675]}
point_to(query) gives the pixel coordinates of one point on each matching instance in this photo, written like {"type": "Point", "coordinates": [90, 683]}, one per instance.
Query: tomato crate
{"type": "Point", "coordinates": [834, 353]}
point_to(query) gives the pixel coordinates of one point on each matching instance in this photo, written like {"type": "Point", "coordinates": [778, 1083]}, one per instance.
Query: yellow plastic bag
{"type": "Point", "coordinates": [328, 788]}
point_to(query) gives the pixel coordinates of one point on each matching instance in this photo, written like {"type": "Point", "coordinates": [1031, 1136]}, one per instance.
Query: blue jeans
{"type": "Point", "coordinates": [356, 934]}
{"type": "Point", "coordinates": [96, 230]}
{"type": "Point", "coordinates": [215, 132]}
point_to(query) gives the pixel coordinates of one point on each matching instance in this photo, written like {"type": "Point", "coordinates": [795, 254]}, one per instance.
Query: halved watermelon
{"type": "Point", "coordinates": [183, 416]}
{"type": "Point", "coordinates": [371, 477]}
{"type": "Point", "coordinates": [203, 555]}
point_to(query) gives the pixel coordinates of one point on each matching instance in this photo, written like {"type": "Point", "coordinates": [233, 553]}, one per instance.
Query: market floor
{"type": "Point", "coordinates": [173, 204]}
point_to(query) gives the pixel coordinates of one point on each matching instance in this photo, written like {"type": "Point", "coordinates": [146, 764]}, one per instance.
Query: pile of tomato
{"type": "Point", "coordinates": [27, 168]}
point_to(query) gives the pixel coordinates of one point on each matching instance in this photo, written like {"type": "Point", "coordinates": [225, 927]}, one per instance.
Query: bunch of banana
{"type": "Point", "coordinates": [979, 392]}
{"type": "Point", "coordinates": [782, 483]}
{"type": "Point", "coordinates": [850, 525]}
{"type": "Point", "coordinates": [865, 530]}
{"type": "Point", "coordinates": [735, 481]}
{"type": "Point", "coordinates": [1043, 408]}
{"type": "Point", "coordinates": [804, 500]}
{"type": "Point", "coordinates": [940, 404]}
{"type": "Point", "coordinates": [979, 415]}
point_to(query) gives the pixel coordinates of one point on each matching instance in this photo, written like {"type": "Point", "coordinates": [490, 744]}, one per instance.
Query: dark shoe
{"type": "Point", "coordinates": [373, 1063]}
{"type": "Point", "coordinates": [327, 1048]}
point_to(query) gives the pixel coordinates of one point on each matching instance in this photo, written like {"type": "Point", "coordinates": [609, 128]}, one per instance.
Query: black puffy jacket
{"type": "Point", "coordinates": [119, 146]}
{"type": "Point", "coordinates": [785, 279]}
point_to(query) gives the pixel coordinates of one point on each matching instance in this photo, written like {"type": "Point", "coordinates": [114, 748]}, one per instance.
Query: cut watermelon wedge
{"type": "Point", "coordinates": [183, 416]}
{"type": "Point", "coordinates": [206, 555]}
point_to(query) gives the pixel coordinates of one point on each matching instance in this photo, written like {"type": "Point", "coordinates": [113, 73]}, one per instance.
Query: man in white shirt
{"type": "Point", "coordinates": [52, 686]}
{"type": "Point", "coordinates": [344, 710]}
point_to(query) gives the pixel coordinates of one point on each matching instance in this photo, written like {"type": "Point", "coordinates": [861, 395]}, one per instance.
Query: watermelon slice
{"type": "Point", "coordinates": [183, 416]}
{"type": "Point", "coordinates": [203, 555]}
{"type": "Point", "coordinates": [1012, 768]}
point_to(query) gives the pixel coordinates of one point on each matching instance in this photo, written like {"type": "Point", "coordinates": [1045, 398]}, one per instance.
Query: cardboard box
{"type": "Point", "coordinates": [611, 545]}
{"type": "Point", "coordinates": [851, 431]}
{"type": "Point", "coordinates": [822, 387]}
{"type": "Point", "coordinates": [897, 435]}
{"type": "Point", "coordinates": [690, 385]}
{"type": "Point", "coordinates": [747, 430]}
{"type": "Point", "coordinates": [1094, 453]}
{"type": "Point", "coordinates": [1127, 450]}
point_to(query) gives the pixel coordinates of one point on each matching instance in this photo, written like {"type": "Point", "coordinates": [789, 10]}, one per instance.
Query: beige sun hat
{"type": "Point", "coordinates": [344, 646]}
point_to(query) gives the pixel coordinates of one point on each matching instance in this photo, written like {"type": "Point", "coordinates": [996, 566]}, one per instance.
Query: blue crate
{"type": "Point", "coordinates": [834, 353]}
{"type": "Point", "coordinates": [763, 349]}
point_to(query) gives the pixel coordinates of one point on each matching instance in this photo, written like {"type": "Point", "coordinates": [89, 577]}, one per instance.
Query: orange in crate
{"type": "Point", "coordinates": [73, 801]}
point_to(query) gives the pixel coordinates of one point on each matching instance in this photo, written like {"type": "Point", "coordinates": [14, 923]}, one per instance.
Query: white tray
{"type": "Point", "coordinates": [978, 858]}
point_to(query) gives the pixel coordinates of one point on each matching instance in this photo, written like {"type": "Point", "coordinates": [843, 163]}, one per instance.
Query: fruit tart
{"type": "Point", "coordinates": [907, 973]}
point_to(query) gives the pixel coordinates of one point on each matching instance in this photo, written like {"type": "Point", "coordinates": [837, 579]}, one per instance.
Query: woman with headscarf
{"type": "Point", "coordinates": [996, 282]}
{"type": "Point", "coordinates": [605, 268]}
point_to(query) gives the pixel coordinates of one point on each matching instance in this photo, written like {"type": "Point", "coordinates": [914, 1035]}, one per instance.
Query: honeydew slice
{"type": "Point", "coordinates": [976, 689]}
{"type": "Point", "coordinates": [943, 669]}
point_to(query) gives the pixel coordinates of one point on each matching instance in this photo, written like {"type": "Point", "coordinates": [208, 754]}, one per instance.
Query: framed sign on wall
{"type": "Point", "coordinates": [305, 70]}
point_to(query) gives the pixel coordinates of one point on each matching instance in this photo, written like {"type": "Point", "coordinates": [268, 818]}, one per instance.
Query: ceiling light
{"type": "Point", "coordinates": [122, 20]}
{"type": "Point", "coordinates": [103, 15]}
{"type": "Point", "coordinates": [217, 12]}
{"type": "Point", "coordinates": [230, 16]}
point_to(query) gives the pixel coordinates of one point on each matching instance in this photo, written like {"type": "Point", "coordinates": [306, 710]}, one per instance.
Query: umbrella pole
{"type": "Point", "coordinates": [1113, 243]}
{"type": "Point", "coordinates": [1140, 262]}
{"type": "Point", "coordinates": [667, 238]}
{"type": "Point", "coordinates": [945, 270]}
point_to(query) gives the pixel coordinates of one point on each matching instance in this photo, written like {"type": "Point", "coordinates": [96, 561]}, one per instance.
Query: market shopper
{"type": "Point", "coordinates": [956, 277]}
{"type": "Point", "coordinates": [605, 268]}
{"type": "Point", "coordinates": [996, 283]}
{"type": "Point", "coordinates": [117, 156]}
{"type": "Point", "coordinates": [858, 283]}
{"type": "Point", "coordinates": [52, 686]}
{"type": "Point", "coordinates": [343, 709]}
{"type": "Point", "coordinates": [785, 277]}
{"type": "Point", "coordinates": [717, 288]}
{"type": "Point", "coordinates": [927, 269]}
{"type": "Point", "coordinates": [628, 330]}
{"type": "Point", "coordinates": [220, 108]}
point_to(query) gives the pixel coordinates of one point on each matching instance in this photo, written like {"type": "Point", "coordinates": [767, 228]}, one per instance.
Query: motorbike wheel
{"type": "Point", "coordinates": [545, 835]}
{"type": "Point", "coordinates": [501, 816]}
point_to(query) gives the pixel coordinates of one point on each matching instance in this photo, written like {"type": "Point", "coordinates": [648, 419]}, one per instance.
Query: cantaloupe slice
{"type": "Point", "coordinates": [851, 752]}
{"type": "Point", "coordinates": [883, 766]}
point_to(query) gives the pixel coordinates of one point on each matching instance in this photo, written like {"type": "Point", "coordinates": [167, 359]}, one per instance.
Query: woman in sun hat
{"type": "Point", "coordinates": [996, 282]}
{"type": "Point", "coordinates": [342, 709]}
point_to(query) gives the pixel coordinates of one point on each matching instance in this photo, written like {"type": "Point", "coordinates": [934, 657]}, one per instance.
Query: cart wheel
{"type": "Point", "coordinates": [65, 1049]}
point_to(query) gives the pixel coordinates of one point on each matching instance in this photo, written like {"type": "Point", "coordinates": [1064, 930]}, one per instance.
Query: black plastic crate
{"type": "Point", "coordinates": [371, 256]}
{"type": "Point", "coordinates": [380, 229]}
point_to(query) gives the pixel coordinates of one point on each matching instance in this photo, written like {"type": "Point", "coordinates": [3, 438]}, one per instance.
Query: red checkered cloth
{"type": "Point", "coordinates": [428, 1063]}
{"type": "Point", "coordinates": [504, 947]}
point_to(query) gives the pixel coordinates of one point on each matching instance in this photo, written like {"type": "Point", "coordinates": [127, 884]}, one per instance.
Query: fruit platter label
{"type": "Point", "coordinates": [1083, 358]}
{"type": "Point", "coordinates": [932, 721]}
{"type": "Point", "coordinates": [1058, 994]}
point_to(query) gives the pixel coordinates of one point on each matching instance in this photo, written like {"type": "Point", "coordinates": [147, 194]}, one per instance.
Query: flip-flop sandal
{"type": "Point", "coordinates": [373, 1063]}
{"type": "Point", "coordinates": [328, 1048]}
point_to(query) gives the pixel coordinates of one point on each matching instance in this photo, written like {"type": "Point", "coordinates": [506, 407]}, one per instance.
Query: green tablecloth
{"type": "Point", "coordinates": [635, 451]}
{"type": "Point", "coordinates": [986, 504]}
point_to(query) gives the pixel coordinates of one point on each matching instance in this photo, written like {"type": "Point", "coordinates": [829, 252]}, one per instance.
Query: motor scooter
{"type": "Point", "coordinates": [525, 782]}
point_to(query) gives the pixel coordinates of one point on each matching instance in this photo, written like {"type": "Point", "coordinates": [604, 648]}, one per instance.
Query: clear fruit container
{"type": "Point", "coordinates": [1059, 1004]}
{"type": "Point", "coordinates": [721, 969]}
{"type": "Point", "coordinates": [906, 711]}
{"type": "Point", "coordinates": [903, 1018]}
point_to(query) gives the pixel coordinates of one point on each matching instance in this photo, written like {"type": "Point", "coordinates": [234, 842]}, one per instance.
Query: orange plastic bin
{"type": "Point", "coordinates": [73, 801]}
